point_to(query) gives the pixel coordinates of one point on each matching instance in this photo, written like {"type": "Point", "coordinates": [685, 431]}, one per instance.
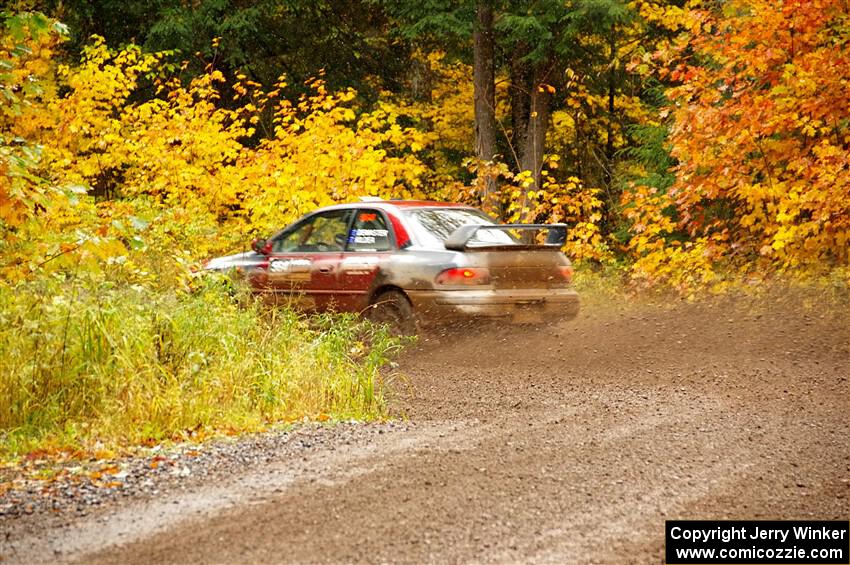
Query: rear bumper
{"type": "Point", "coordinates": [518, 304]}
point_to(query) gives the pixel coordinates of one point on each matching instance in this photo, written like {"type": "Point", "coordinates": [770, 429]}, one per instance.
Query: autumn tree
{"type": "Point", "coordinates": [761, 132]}
{"type": "Point", "coordinates": [263, 39]}
{"type": "Point", "coordinates": [27, 43]}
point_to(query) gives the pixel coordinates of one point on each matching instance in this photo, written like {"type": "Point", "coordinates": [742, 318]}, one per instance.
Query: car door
{"type": "Point", "coordinates": [304, 260]}
{"type": "Point", "coordinates": [369, 246]}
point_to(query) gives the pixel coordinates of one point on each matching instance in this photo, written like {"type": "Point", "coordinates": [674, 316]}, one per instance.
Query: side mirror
{"type": "Point", "coordinates": [261, 246]}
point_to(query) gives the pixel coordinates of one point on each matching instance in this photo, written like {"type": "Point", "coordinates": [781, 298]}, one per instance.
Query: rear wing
{"type": "Point", "coordinates": [459, 239]}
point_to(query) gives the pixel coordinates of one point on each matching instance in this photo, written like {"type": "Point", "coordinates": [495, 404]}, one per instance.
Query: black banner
{"type": "Point", "coordinates": [761, 542]}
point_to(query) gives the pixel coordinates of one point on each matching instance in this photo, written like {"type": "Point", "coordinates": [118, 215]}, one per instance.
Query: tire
{"type": "Point", "coordinates": [393, 309]}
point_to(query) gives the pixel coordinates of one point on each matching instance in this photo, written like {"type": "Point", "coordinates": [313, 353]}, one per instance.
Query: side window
{"type": "Point", "coordinates": [322, 232]}
{"type": "Point", "coordinates": [369, 232]}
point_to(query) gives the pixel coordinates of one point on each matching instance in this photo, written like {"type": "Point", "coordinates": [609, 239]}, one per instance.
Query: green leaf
{"type": "Point", "coordinates": [137, 243]}
{"type": "Point", "coordinates": [138, 223]}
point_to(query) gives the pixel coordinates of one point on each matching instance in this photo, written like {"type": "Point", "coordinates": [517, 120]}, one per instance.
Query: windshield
{"type": "Point", "coordinates": [433, 226]}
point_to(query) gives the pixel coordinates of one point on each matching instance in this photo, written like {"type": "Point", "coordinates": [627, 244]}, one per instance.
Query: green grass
{"type": "Point", "coordinates": [601, 285]}
{"type": "Point", "coordinates": [118, 366]}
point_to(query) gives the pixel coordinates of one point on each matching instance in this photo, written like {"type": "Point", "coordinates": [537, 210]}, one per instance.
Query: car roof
{"type": "Point", "coordinates": [404, 204]}
{"type": "Point", "coordinates": [425, 204]}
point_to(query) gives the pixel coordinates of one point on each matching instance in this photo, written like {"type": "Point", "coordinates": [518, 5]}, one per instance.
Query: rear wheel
{"type": "Point", "coordinates": [393, 309]}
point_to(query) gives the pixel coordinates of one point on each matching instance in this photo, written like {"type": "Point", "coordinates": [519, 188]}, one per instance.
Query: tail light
{"type": "Point", "coordinates": [469, 276]}
{"type": "Point", "coordinates": [567, 273]}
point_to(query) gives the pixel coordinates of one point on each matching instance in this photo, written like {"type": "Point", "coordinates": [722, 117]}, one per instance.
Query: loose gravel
{"type": "Point", "coordinates": [79, 488]}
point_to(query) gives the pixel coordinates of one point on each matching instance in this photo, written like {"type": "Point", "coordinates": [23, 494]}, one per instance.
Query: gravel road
{"type": "Point", "coordinates": [566, 445]}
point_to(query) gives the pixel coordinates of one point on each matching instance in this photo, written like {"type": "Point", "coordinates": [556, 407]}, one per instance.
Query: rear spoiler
{"type": "Point", "coordinates": [459, 239]}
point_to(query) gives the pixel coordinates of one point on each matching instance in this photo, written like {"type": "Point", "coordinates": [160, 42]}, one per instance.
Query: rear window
{"type": "Point", "coordinates": [433, 226]}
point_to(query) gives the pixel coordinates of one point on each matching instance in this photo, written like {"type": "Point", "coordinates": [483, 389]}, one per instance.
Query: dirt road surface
{"type": "Point", "coordinates": [567, 445]}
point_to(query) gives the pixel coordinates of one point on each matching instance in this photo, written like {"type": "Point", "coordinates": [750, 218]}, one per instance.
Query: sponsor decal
{"type": "Point", "coordinates": [359, 265]}
{"type": "Point", "coordinates": [366, 236]}
{"type": "Point", "coordinates": [292, 269]}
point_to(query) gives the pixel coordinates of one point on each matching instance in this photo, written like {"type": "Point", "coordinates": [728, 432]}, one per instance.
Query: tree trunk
{"type": "Point", "coordinates": [421, 78]}
{"type": "Point", "coordinates": [520, 101]}
{"type": "Point", "coordinates": [534, 141]}
{"type": "Point", "coordinates": [608, 171]}
{"type": "Point", "coordinates": [530, 99]}
{"type": "Point", "coordinates": [612, 93]}
{"type": "Point", "coordinates": [484, 84]}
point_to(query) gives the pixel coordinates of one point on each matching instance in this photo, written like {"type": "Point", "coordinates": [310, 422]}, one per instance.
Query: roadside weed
{"type": "Point", "coordinates": [116, 365]}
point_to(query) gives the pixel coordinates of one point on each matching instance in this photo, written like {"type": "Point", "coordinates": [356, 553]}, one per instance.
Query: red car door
{"type": "Point", "coordinates": [369, 246]}
{"type": "Point", "coordinates": [304, 261]}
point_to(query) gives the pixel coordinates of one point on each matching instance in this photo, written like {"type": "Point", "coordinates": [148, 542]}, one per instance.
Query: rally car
{"type": "Point", "coordinates": [410, 262]}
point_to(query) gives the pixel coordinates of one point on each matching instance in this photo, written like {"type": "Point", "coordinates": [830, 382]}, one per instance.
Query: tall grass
{"type": "Point", "coordinates": [123, 365]}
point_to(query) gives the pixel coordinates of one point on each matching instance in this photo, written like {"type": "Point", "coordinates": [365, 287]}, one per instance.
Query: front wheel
{"type": "Point", "coordinates": [393, 309]}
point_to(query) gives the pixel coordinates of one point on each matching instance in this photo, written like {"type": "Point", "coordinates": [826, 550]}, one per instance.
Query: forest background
{"type": "Point", "coordinates": [691, 146]}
